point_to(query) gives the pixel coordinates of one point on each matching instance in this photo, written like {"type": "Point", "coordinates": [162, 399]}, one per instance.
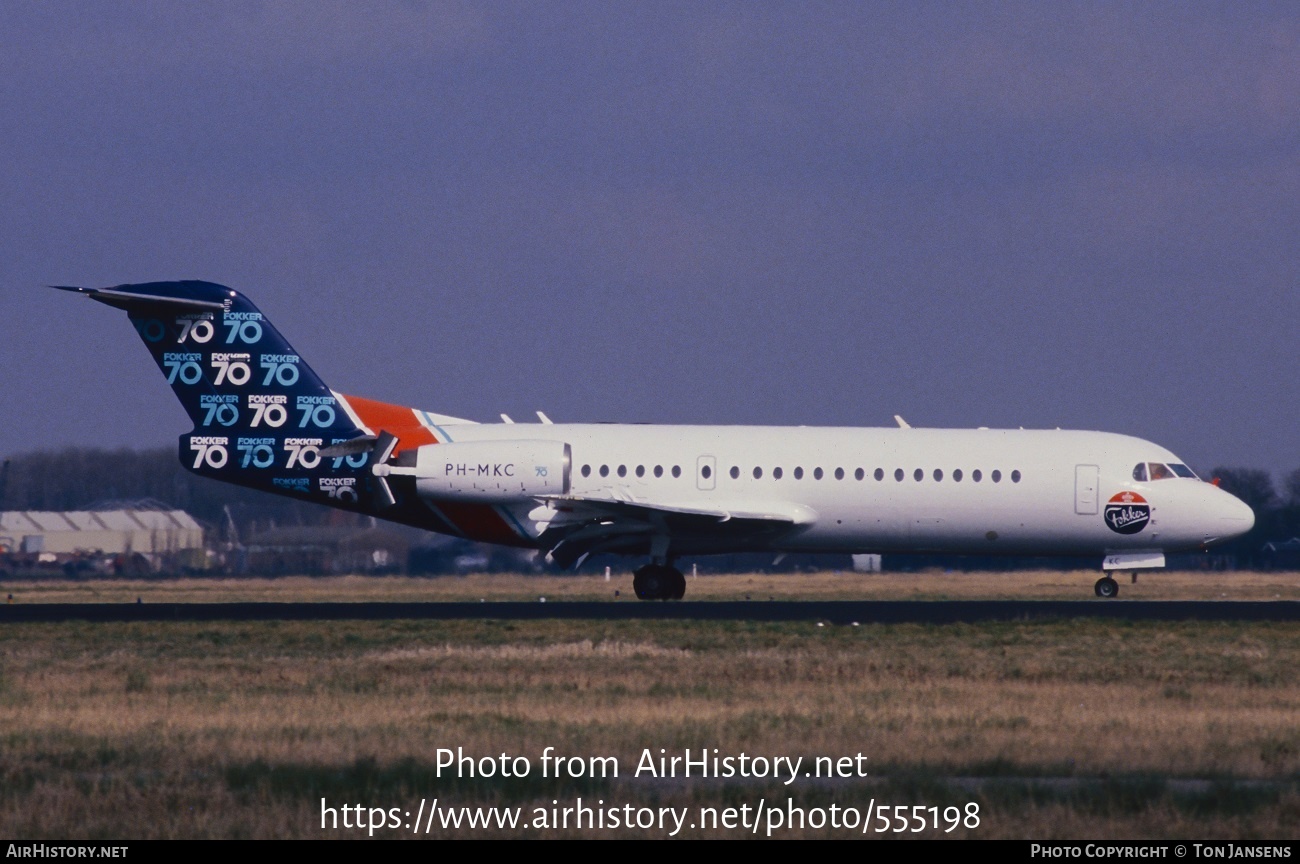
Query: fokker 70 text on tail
{"type": "Point", "coordinates": [263, 419]}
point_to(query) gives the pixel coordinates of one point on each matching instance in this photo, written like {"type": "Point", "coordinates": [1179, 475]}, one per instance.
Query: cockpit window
{"type": "Point", "coordinates": [1160, 471]}
{"type": "Point", "coordinates": [1183, 471]}
{"type": "Point", "coordinates": [1140, 472]}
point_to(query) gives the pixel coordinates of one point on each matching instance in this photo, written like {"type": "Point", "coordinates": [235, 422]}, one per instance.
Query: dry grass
{"type": "Point", "coordinates": [238, 729]}
{"type": "Point", "coordinates": [930, 585]}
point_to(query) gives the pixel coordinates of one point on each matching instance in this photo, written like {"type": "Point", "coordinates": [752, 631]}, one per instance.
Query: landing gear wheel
{"type": "Point", "coordinates": [658, 582]}
{"type": "Point", "coordinates": [650, 582]}
{"type": "Point", "coordinates": [678, 584]}
{"type": "Point", "coordinates": [1106, 587]}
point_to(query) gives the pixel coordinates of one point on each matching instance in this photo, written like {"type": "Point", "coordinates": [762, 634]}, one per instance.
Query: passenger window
{"type": "Point", "coordinates": [798, 473]}
{"type": "Point", "coordinates": [776, 473]}
{"type": "Point", "coordinates": [839, 473]}
{"type": "Point", "coordinates": [1015, 476]}
{"type": "Point", "coordinates": [956, 475]}
{"type": "Point", "coordinates": [640, 470]}
{"type": "Point", "coordinates": [898, 475]}
{"type": "Point", "coordinates": [735, 472]}
{"type": "Point", "coordinates": [586, 470]}
{"type": "Point", "coordinates": [817, 473]}
{"type": "Point", "coordinates": [659, 470]}
{"type": "Point", "coordinates": [938, 474]}
{"type": "Point", "coordinates": [622, 470]}
{"type": "Point", "coordinates": [918, 474]}
{"type": "Point", "coordinates": [859, 474]}
{"type": "Point", "coordinates": [1140, 472]}
{"type": "Point", "coordinates": [880, 474]}
{"type": "Point", "coordinates": [706, 472]}
{"type": "Point", "coordinates": [996, 475]}
{"type": "Point", "coordinates": [677, 471]}
{"type": "Point", "coordinates": [758, 473]}
{"type": "Point", "coordinates": [976, 475]}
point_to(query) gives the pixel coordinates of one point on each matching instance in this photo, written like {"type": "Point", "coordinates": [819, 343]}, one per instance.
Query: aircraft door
{"type": "Point", "coordinates": [1085, 490]}
{"type": "Point", "coordinates": [706, 473]}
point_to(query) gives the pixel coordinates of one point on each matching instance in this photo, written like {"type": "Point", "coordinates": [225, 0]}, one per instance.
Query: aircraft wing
{"type": "Point", "coordinates": [580, 526]}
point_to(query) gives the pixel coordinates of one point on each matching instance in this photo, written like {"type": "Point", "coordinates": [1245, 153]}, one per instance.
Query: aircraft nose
{"type": "Point", "coordinates": [1234, 516]}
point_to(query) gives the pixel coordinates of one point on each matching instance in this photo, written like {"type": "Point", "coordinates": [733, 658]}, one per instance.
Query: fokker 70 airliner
{"type": "Point", "coordinates": [262, 418]}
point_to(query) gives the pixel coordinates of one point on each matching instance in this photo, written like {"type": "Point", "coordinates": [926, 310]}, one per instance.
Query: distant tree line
{"type": "Point", "coordinates": [78, 478]}
{"type": "Point", "coordinates": [1277, 512]}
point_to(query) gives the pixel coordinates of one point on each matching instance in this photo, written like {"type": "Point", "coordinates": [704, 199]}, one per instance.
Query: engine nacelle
{"type": "Point", "coordinates": [491, 471]}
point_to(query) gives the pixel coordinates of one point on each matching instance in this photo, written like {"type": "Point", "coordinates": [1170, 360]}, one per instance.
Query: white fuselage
{"type": "Point", "coordinates": [981, 491]}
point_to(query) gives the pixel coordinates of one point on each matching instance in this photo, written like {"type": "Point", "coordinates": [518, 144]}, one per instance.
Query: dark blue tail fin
{"type": "Point", "coordinates": [260, 414]}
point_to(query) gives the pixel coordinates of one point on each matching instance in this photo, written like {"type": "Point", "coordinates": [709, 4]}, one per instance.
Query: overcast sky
{"type": "Point", "coordinates": [970, 214]}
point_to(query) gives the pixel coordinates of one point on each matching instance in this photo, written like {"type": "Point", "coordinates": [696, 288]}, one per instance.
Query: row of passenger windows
{"type": "Point", "coordinates": [817, 473]}
{"type": "Point", "coordinates": [859, 474]}
{"type": "Point", "coordinates": [621, 471]}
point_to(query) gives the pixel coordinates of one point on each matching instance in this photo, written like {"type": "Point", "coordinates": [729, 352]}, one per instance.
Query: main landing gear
{"type": "Point", "coordinates": [1106, 587]}
{"type": "Point", "coordinates": [659, 582]}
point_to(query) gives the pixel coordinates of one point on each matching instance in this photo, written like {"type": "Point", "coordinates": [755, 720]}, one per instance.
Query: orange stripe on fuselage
{"type": "Point", "coordinates": [481, 522]}
{"type": "Point", "coordinates": [394, 419]}
{"type": "Point", "coordinates": [475, 521]}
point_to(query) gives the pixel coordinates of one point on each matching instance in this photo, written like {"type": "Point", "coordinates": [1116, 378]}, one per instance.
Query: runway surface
{"type": "Point", "coordinates": [833, 612]}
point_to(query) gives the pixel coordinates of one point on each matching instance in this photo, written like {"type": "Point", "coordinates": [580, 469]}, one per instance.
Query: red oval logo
{"type": "Point", "coordinates": [1127, 513]}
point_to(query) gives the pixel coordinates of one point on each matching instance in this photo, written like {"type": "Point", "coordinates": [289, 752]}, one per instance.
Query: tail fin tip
{"type": "Point", "coordinates": [191, 293]}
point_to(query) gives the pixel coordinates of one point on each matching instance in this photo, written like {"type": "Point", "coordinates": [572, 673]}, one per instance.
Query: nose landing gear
{"type": "Point", "coordinates": [659, 582]}
{"type": "Point", "coordinates": [1106, 587]}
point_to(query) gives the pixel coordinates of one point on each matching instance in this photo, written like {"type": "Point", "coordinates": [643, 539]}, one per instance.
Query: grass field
{"type": "Point", "coordinates": [1056, 730]}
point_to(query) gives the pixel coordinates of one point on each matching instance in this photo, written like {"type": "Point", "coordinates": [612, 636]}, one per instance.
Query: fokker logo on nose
{"type": "Point", "coordinates": [1127, 513]}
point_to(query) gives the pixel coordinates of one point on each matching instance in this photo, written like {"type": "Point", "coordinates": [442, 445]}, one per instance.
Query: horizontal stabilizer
{"type": "Point", "coordinates": [127, 299]}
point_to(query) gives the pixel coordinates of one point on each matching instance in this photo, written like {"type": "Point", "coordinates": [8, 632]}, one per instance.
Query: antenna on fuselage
{"type": "Point", "coordinates": [902, 424]}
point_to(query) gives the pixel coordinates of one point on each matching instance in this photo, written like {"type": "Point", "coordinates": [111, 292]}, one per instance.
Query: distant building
{"type": "Point", "coordinates": [866, 563]}
{"type": "Point", "coordinates": [1282, 554]}
{"type": "Point", "coordinates": [439, 554]}
{"type": "Point", "coordinates": [320, 549]}
{"type": "Point", "coordinates": [152, 533]}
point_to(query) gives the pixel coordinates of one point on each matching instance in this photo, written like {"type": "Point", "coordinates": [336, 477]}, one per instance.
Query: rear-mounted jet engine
{"type": "Point", "coordinates": [485, 471]}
